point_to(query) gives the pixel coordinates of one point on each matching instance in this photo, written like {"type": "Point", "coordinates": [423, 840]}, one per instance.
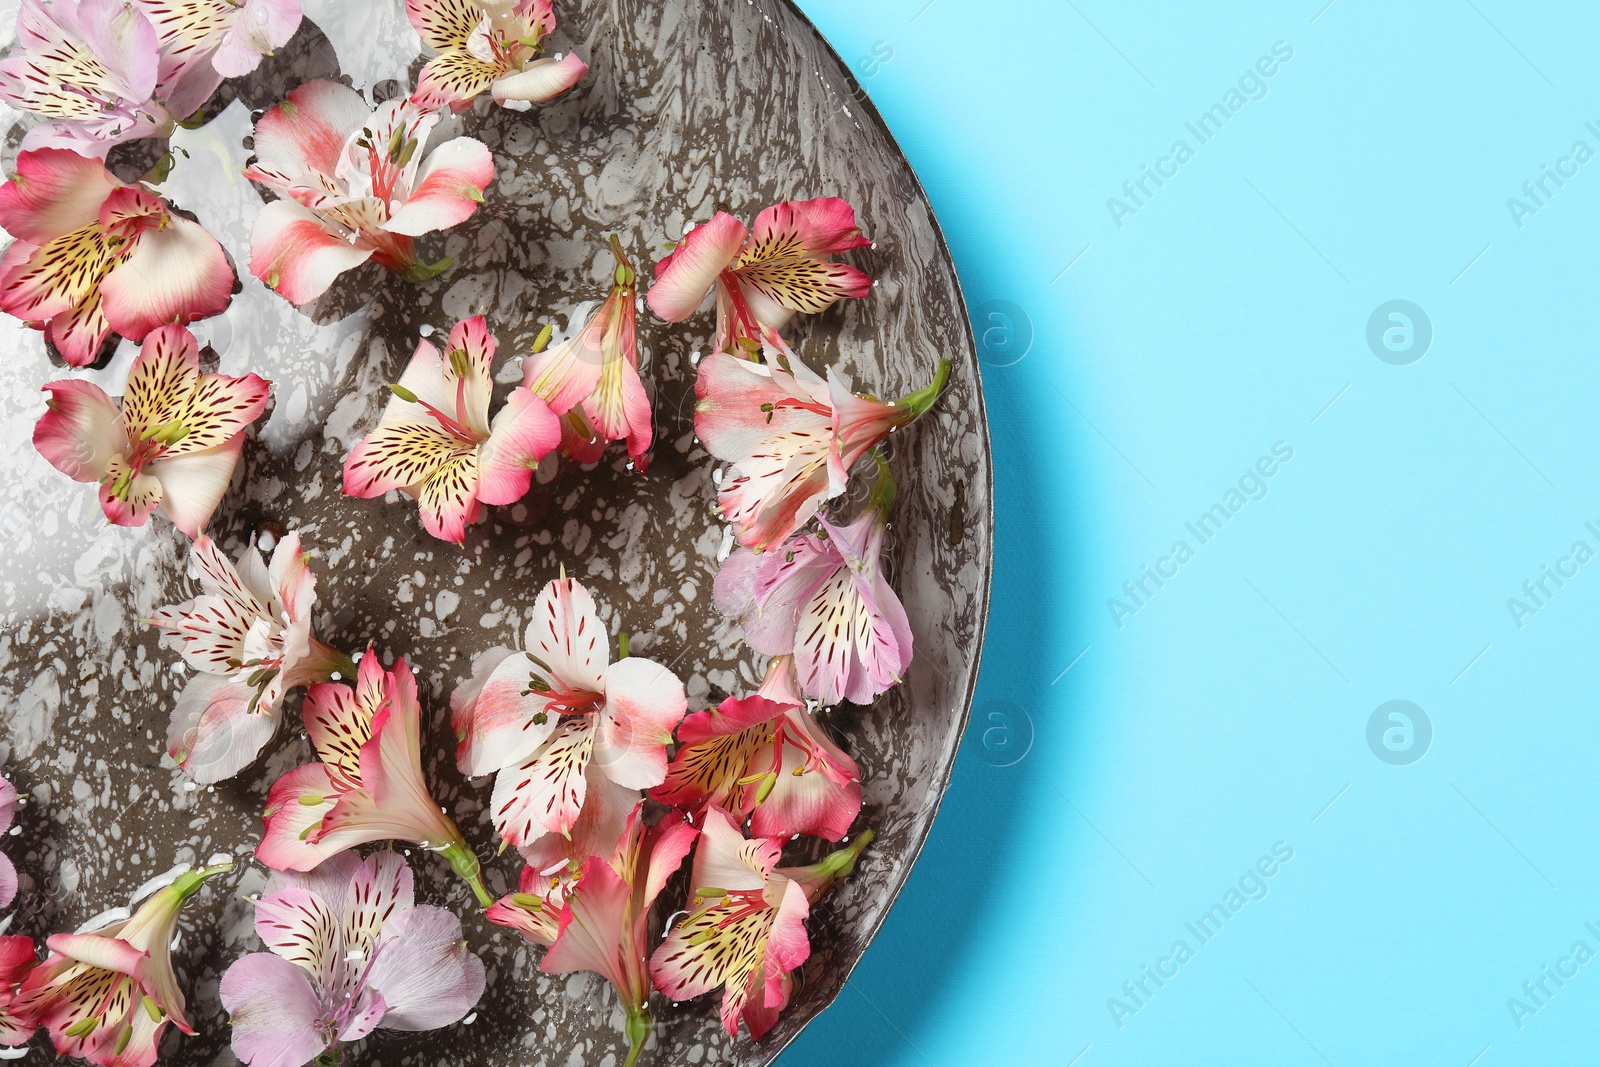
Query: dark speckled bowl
{"type": "Point", "coordinates": [692, 106]}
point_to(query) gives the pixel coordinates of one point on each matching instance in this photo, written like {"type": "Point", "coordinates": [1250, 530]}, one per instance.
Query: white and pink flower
{"type": "Point", "coordinates": [789, 436]}
{"type": "Point", "coordinates": [496, 45]}
{"type": "Point", "coordinates": [355, 185]}
{"type": "Point", "coordinates": [367, 785]}
{"type": "Point", "coordinates": [8, 872]}
{"type": "Point", "coordinates": [592, 379]}
{"type": "Point", "coordinates": [94, 256]}
{"type": "Point", "coordinates": [436, 443]}
{"type": "Point", "coordinates": [762, 278]}
{"type": "Point", "coordinates": [107, 996]}
{"type": "Point", "coordinates": [100, 72]}
{"type": "Point", "coordinates": [172, 443]}
{"type": "Point", "coordinates": [248, 639]}
{"type": "Point", "coordinates": [764, 757]}
{"type": "Point", "coordinates": [229, 36]}
{"type": "Point", "coordinates": [351, 951]}
{"type": "Point", "coordinates": [572, 735]}
{"type": "Point", "coordinates": [822, 598]}
{"type": "Point", "coordinates": [746, 927]}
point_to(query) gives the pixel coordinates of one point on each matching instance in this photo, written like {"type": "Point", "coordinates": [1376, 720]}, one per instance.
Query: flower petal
{"type": "Point", "coordinates": [80, 333]}
{"type": "Point", "coordinates": [566, 636]}
{"type": "Point", "coordinates": [293, 252]}
{"type": "Point", "coordinates": [525, 431]}
{"type": "Point", "coordinates": [567, 373]}
{"type": "Point", "coordinates": [303, 138]}
{"type": "Point", "coordinates": [817, 227]}
{"type": "Point", "coordinates": [296, 805]}
{"type": "Point", "coordinates": [544, 793]}
{"type": "Point", "coordinates": [424, 970]}
{"type": "Point", "coordinates": [262, 27]}
{"type": "Point", "coordinates": [596, 930]}
{"type": "Point", "coordinates": [63, 273]}
{"type": "Point", "coordinates": [381, 890]}
{"type": "Point", "coordinates": [448, 189]}
{"type": "Point", "coordinates": [81, 431]}
{"type": "Point", "coordinates": [274, 1012]}
{"type": "Point", "coordinates": [8, 883]}
{"type": "Point", "coordinates": [175, 273]}
{"type": "Point", "coordinates": [53, 191]}
{"type": "Point", "coordinates": [444, 24]}
{"type": "Point", "coordinates": [213, 734]}
{"type": "Point", "coordinates": [160, 381]}
{"type": "Point", "coordinates": [541, 80]}
{"type": "Point", "coordinates": [685, 277]}
{"type": "Point", "coordinates": [300, 927]}
{"type": "Point", "coordinates": [193, 485]}
{"type": "Point", "coordinates": [339, 724]}
{"type": "Point", "coordinates": [448, 499]}
{"type": "Point", "coordinates": [645, 702]}
{"type": "Point", "coordinates": [726, 859]}
{"type": "Point", "coordinates": [399, 456]}
{"type": "Point", "coordinates": [454, 77]}
{"type": "Point", "coordinates": [499, 725]}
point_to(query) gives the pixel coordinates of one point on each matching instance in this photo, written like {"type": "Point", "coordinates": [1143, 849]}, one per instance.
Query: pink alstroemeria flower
{"type": "Point", "coordinates": [368, 785]}
{"type": "Point", "coordinates": [351, 951]}
{"type": "Point", "coordinates": [230, 36]}
{"type": "Point", "coordinates": [248, 638]}
{"type": "Point", "coordinates": [172, 443]}
{"type": "Point", "coordinates": [822, 597]}
{"type": "Point", "coordinates": [355, 185]}
{"type": "Point", "coordinates": [592, 379]}
{"type": "Point", "coordinates": [765, 757]}
{"type": "Point", "coordinates": [790, 437]}
{"type": "Point", "coordinates": [746, 929]}
{"type": "Point", "coordinates": [573, 736]}
{"type": "Point", "coordinates": [490, 44]}
{"type": "Point", "coordinates": [108, 996]}
{"type": "Point", "coordinates": [8, 872]}
{"type": "Point", "coordinates": [762, 278]}
{"type": "Point", "coordinates": [17, 958]}
{"type": "Point", "coordinates": [94, 256]}
{"type": "Point", "coordinates": [435, 442]}
{"type": "Point", "coordinates": [98, 70]}
{"type": "Point", "coordinates": [605, 921]}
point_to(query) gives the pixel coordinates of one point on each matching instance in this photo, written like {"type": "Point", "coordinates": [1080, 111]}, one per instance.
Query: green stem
{"type": "Point", "coordinates": [920, 401]}
{"type": "Point", "coordinates": [188, 883]}
{"type": "Point", "coordinates": [421, 272]}
{"type": "Point", "coordinates": [637, 1028]}
{"type": "Point", "coordinates": [465, 864]}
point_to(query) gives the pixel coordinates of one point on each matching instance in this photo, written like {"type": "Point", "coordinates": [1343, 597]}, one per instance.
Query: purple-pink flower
{"type": "Point", "coordinates": [822, 597]}
{"type": "Point", "coordinates": [229, 36]}
{"type": "Point", "coordinates": [351, 951]}
{"type": "Point", "coordinates": [101, 72]}
{"type": "Point", "coordinates": [496, 45]}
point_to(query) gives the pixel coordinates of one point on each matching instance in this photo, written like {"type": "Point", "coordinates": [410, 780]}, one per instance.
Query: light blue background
{"type": "Point", "coordinates": [1230, 712]}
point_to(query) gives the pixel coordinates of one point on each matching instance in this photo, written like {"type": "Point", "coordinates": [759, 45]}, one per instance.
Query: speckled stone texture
{"type": "Point", "coordinates": [692, 106]}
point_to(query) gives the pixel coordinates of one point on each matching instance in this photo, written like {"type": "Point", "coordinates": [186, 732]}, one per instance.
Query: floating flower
{"type": "Point", "coordinates": [746, 928]}
{"type": "Point", "coordinates": [765, 757]}
{"type": "Point", "coordinates": [98, 70]}
{"type": "Point", "coordinates": [351, 951]}
{"type": "Point", "coordinates": [17, 958]}
{"type": "Point", "coordinates": [229, 36]}
{"type": "Point", "coordinates": [490, 44]}
{"type": "Point", "coordinates": [94, 256]}
{"type": "Point", "coordinates": [248, 638]}
{"type": "Point", "coordinates": [822, 597]}
{"type": "Point", "coordinates": [572, 735]}
{"type": "Point", "coordinates": [762, 278]}
{"type": "Point", "coordinates": [355, 185]}
{"type": "Point", "coordinates": [435, 440]}
{"type": "Point", "coordinates": [108, 996]}
{"type": "Point", "coordinates": [8, 873]}
{"type": "Point", "coordinates": [790, 437]}
{"type": "Point", "coordinates": [592, 379]}
{"type": "Point", "coordinates": [368, 786]}
{"type": "Point", "coordinates": [605, 921]}
{"type": "Point", "coordinates": [172, 444]}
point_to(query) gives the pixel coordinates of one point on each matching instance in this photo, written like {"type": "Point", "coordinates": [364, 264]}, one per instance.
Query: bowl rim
{"type": "Point", "coordinates": [870, 114]}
